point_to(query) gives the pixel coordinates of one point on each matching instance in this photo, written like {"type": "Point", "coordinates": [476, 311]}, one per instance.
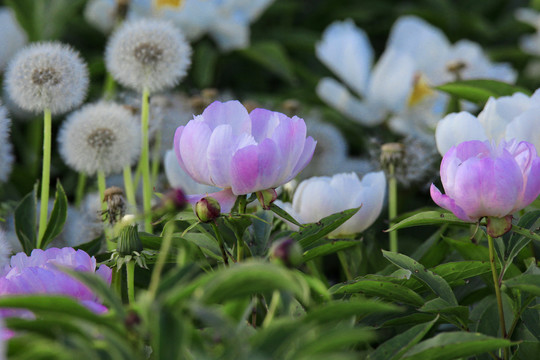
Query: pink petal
{"type": "Point", "coordinates": [230, 112]}
{"type": "Point", "coordinates": [226, 199]}
{"type": "Point", "coordinates": [446, 203]}
{"type": "Point", "coordinates": [305, 158]}
{"type": "Point", "coordinates": [263, 123]}
{"type": "Point", "coordinates": [193, 145]}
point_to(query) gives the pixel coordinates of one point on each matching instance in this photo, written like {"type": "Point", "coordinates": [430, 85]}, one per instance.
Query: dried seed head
{"type": "Point", "coordinates": [47, 76]}
{"type": "Point", "coordinates": [148, 54]}
{"type": "Point", "coordinates": [100, 137]}
{"type": "Point", "coordinates": [116, 204]}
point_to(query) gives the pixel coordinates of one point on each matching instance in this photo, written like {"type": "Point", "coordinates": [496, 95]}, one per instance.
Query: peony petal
{"type": "Point", "coordinates": [176, 145]}
{"type": "Point", "coordinates": [447, 203]}
{"type": "Point", "coordinates": [193, 146]}
{"type": "Point", "coordinates": [231, 112]}
{"type": "Point", "coordinates": [456, 128]}
{"type": "Point", "coordinates": [525, 127]}
{"type": "Point", "coordinates": [263, 123]}
{"type": "Point", "coordinates": [305, 158]}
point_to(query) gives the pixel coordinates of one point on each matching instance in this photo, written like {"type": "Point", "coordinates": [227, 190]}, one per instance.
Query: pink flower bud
{"type": "Point", "coordinates": [207, 209]}
{"type": "Point", "coordinates": [266, 198]}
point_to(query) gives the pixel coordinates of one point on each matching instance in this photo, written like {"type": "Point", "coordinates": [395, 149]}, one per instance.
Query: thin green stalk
{"type": "Point", "coordinates": [45, 175]}
{"type": "Point", "coordinates": [130, 271]}
{"type": "Point", "coordinates": [221, 244]}
{"type": "Point", "coordinates": [145, 162]}
{"type": "Point", "coordinates": [162, 257]}
{"type": "Point", "coordinates": [345, 265]}
{"type": "Point", "coordinates": [517, 316]}
{"type": "Point", "coordinates": [79, 193]}
{"type": "Point", "coordinates": [276, 298]}
{"type": "Point", "coordinates": [497, 290]}
{"type": "Point", "coordinates": [156, 161]}
{"type": "Point", "coordinates": [116, 281]}
{"type": "Point", "coordinates": [392, 207]}
{"type": "Point", "coordinates": [108, 231]}
{"type": "Point", "coordinates": [109, 88]}
{"type": "Point", "coordinates": [128, 185]}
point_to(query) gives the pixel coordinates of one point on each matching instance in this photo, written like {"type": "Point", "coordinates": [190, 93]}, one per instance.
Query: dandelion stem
{"type": "Point", "coordinates": [109, 89]}
{"type": "Point", "coordinates": [497, 290]}
{"type": "Point", "coordinates": [145, 163]}
{"type": "Point", "coordinates": [392, 206]}
{"type": "Point", "coordinates": [101, 187]}
{"type": "Point", "coordinates": [79, 193]}
{"type": "Point", "coordinates": [156, 157]}
{"type": "Point", "coordinates": [130, 271]}
{"type": "Point", "coordinates": [45, 175]}
{"type": "Point", "coordinates": [128, 185]}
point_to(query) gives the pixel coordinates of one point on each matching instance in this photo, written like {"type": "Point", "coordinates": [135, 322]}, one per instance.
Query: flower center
{"type": "Point", "coordinates": [420, 91]}
{"type": "Point", "coordinates": [46, 76]}
{"type": "Point", "coordinates": [148, 53]}
{"type": "Point", "coordinates": [158, 4]}
{"type": "Point", "coordinates": [101, 138]}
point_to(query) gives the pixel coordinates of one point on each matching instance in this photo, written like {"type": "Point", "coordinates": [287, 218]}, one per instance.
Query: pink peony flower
{"type": "Point", "coordinates": [481, 179]}
{"type": "Point", "coordinates": [240, 152]}
{"type": "Point", "coordinates": [37, 274]}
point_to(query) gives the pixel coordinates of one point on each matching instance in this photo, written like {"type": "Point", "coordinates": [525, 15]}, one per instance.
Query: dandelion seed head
{"type": "Point", "coordinates": [148, 54]}
{"type": "Point", "coordinates": [100, 137]}
{"type": "Point", "coordinates": [47, 75]}
{"type": "Point", "coordinates": [6, 151]}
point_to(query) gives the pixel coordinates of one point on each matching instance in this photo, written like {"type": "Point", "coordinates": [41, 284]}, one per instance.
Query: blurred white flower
{"type": "Point", "coordinates": [13, 36]}
{"type": "Point", "coordinates": [179, 179]}
{"type": "Point", "coordinates": [504, 118]}
{"type": "Point", "coordinates": [318, 197]}
{"type": "Point", "coordinates": [6, 149]}
{"type": "Point", "coordinates": [530, 43]}
{"type": "Point", "coordinates": [398, 87]}
{"type": "Point", "coordinates": [101, 14]}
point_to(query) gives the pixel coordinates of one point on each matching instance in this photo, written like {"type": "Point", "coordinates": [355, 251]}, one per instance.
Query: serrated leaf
{"type": "Point", "coordinates": [313, 232]}
{"type": "Point", "coordinates": [380, 288]}
{"type": "Point", "coordinates": [526, 282]}
{"type": "Point", "coordinates": [455, 345]}
{"type": "Point", "coordinates": [432, 280]}
{"type": "Point", "coordinates": [429, 218]}
{"type": "Point", "coordinates": [58, 216]}
{"type": "Point", "coordinates": [25, 222]}
{"type": "Point", "coordinates": [480, 90]}
{"type": "Point", "coordinates": [328, 247]}
{"type": "Point", "coordinates": [394, 348]}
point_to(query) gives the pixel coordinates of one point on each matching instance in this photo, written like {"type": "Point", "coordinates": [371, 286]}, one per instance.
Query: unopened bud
{"type": "Point", "coordinates": [286, 251]}
{"type": "Point", "coordinates": [392, 154]}
{"type": "Point", "coordinates": [129, 241]}
{"type": "Point", "coordinates": [207, 209]}
{"type": "Point", "coordinates": [266, 197]}
{"type": "Point", "coordinates": [175, 199]}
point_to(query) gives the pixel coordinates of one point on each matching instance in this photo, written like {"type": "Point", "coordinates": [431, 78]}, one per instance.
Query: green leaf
{"type": "Point", "coordinates": [25, 221]}
{"type": "Point", "coordinates": [338, 310]}
{"type": "Point", "coordinates": [380, 288]}
{"type": "Point", "coordinates": [260, 232]}
{"type": "Point", "coordinates": [283, 214]}
{"type": "Point", "coordinates": [429, 218]}
{"type": "Point", "coordinates": [525, 232]}
{"type": "Point", "coordinates": [517, 242]}
{"type": "Point", "coordinates": [440, 306]}
{"type": "Point", "coordinates": [455, 272]}
{"type": "Point", "coordinates": [250, 278]}
{"type": "Point", "coordinates": [92, 247]}
{"type": "Point", "coordinates": [454, 345]}
{"type": "Point", "coordinates": [328, 247]}
{"type": "Point", "coordinates": [480, 90]}
{"type": "Point", "coordinates": [204, 63]}
{"type": "Point", "coordinates": [272, 56]}
{"type": "Point", "coordinates": [394, 348]}
{"type": "Point", "coordinates": [57, 218]}
{"type": "Point", "coordinates": [432, 280]}
{"type": "Point", "coordinates": [310, 233]}
{"type": "Point", "coordinates": [334, 339]}
{"type": "Point", "coordinates": [526, 282]}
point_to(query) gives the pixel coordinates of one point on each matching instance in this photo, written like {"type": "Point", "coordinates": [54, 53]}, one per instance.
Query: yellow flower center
{"type": "Point", "coordinates": [421, 90]}
{"type": "Point", "coordinates": [176, 4]}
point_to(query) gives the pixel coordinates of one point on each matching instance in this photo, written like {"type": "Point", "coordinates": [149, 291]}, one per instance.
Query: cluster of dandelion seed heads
{"type": "Point", "coordinates": [6, 154]}
{"type": "Point", "coordinates": [148, 54]}
{"type": "Point", "coordinates": [100, 137]}
{"type": "Point", "coordinates": [47, 76]}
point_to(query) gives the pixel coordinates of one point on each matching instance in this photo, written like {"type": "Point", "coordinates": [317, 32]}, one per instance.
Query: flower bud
{"type": "Point", "coordinates": [266, 197]}
{"type": "Point", "coordinates": [286, 251]}
{"type": "Point", "coordinates": [498, 226]}
{"type": "Point", "coordinates": [129, 241]}
{"type": "Point", "coordinates": [207, 209]}
{"type": "Point", "coordinates": [175, 199]}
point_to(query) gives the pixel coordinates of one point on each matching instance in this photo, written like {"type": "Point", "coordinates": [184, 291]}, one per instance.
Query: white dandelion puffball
{"type": "Point", "coordinates": [6, 154]}
{"type": "Point", "coordinates": [147, 54]}
{"type": "Point", "coordinates": [100, 137]}
{"type": "Point", "coordinates": [47, 75]}
{"type": "Point", "coordinates": [13, 36]}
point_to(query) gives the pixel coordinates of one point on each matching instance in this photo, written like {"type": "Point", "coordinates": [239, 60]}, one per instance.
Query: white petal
{"type": "Point", "coordinates": [456, 128]}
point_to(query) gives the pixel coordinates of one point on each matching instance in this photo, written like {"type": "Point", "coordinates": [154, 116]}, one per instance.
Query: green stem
{"type": "Point", "coordinates": [517, 317]}
{"type": "Point", "coordinates": [392, 207]}
{"type": "Point", "coordinates": [345, 265]}
{"type": "Point", "coordinates": [128, 185]}
{"type": "Point", "coordinates": [276, 298]}
{"type": "Point", "coordinates": [130, 271]}
{"type": "Point", "coordinates": [101, 187]}
{"type": "Point", "coordinates": [497, 289]}
{"type": "Point", "coordinates": [242, 204]}
{"type": "Point", "coordinates": [79, 193]}
{"type": "Point", "coordinates": [160, 263]}
{"type": "Point", "coordinates": [156, 157]}
{"type": "Point", "coordinates": [45, 175]}
{"type": "Point", "coordinates": [145, 163]}
{"type": "Point", "coordinates": [221, 244]}
{"type": "Point", "coordinates": [116, 281]}
{"type": "Point", "coordinates": [109, 88]}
